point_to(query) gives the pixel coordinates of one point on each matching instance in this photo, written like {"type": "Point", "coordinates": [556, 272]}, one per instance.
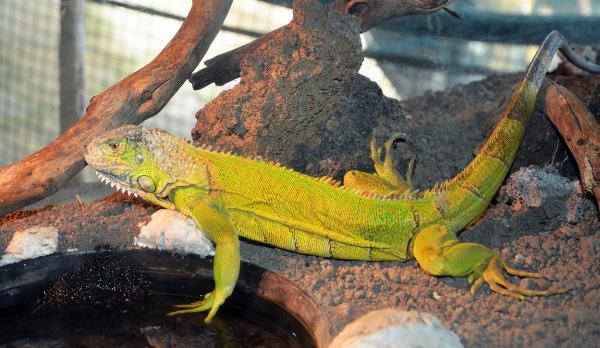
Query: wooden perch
{"type": "Point", "coordinates": [581, 132]}
{"type": "Point", "coordinates": [130, 101]}
{"type": "Point", "coordinates": [226, 67]}
{"type": "Point", "coordinates": [372, 12]}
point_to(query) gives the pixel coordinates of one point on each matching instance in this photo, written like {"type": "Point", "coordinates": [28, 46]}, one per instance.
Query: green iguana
{"type": "Point", "coordinates": [374, 217]}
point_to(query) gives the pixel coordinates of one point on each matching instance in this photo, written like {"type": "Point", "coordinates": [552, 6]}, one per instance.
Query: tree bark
{"type": "Point", "coordinates": [226, 67]}
{"type": "Point", "coordinates": [372, 12]}
{"type": "Point", "coordinates": [581, 132]}
{"type": "Point", "coordinates": [130, 101]}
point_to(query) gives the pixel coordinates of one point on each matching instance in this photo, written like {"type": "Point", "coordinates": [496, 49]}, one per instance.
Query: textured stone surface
{"type": "Point", "coordinates": [390, 328]}
{"type": "Point", "coordinates": [531, 186]}
{"type": "Point", "coordinates": [31, 243]}
{"type": "Point", "coordinates": [171, 230]}
{"type": "Point", "coordinates": [301, 100]}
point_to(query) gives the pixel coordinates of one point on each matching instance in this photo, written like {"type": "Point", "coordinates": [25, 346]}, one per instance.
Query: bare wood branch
{"type": "Point", "coordinates": [130, 101]}
{"type": "Point", "coordinates": [372, 12]}
{"type": "Point", "coordinates": [226, 67]}
{"type": "Point", "coordinates": [494, 27]}
{"type": "Point", "coordinates": [581, 132]}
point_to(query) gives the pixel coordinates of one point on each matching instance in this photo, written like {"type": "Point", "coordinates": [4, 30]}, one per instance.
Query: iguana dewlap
{"type": "Point", "coordinates": [372, 217]}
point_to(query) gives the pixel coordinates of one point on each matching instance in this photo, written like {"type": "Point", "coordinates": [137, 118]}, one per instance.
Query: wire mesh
{"type": "Point", "coordinates": [28, 76]}
{"type": "Point", "coordinates": [120, 39]}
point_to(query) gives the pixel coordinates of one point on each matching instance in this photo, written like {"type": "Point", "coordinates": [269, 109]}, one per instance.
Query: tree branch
{"type": "Point", "coordinates": [226, 67]}
{"type": "Point", "coordinates": [372, 12]}
{"type": "Point", "coordinates": [130, 101]}
{"type": "Point", "coordinates": [581, 132]}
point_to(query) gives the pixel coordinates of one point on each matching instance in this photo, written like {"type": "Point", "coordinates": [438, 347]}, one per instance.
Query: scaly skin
{"type": "Point", "coordinates": [371, 218]}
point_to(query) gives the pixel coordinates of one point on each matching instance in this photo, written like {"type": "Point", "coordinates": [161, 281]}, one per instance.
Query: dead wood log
{"type": "Point", "coordinates": [130, 101]}
{"type": "Point", "coordinates": [372, 12]}
{"type": "Point", "coordinates": [226, 67]}
{"type": "Point", "coordinates": [581, 132]}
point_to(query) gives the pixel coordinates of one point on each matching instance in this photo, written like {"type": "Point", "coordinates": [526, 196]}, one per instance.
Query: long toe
{"type": "Point", "coordinates": [494, 277]}
{"type": "Point", "coordinates": [195, 307]}
{"type": "Point", "coordinates": [190, 305]}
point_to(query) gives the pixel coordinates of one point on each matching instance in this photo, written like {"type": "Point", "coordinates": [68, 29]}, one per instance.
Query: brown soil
{"type": "Point", "coordinates": [107, 223]}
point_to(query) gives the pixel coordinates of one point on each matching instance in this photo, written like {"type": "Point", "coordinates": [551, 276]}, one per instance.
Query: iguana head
{"type": "Point", "coordinates": [144, 161]}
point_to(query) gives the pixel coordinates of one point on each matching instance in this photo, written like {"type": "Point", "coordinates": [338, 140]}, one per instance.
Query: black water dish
{"type": "Point", "coordinates": [120, 298]}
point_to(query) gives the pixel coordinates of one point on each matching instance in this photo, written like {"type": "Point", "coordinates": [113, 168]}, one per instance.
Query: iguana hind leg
{"type": "Point", "coordinates": [386, 178]}
{"type": "Point", "coordinates": [439, 252]}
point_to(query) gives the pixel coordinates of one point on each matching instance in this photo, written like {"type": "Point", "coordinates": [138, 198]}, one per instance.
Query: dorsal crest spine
{"type": "Point", "coordinates": [329, 181]}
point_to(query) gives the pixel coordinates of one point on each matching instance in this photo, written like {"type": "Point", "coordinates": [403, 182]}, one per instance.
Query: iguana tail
{"type": "Point", "coordinates": [462, 199]}
{"type": "Point", "coordinates": [480, 180]}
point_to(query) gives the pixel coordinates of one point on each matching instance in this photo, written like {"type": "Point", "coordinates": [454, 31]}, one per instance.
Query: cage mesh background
{"type": "Point", "coordinates": [118, 41]}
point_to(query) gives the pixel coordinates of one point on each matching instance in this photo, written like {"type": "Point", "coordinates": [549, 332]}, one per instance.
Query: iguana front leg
{"type": "Point", "coordinates": [386, 178]}
{"type": "Point", "coordinates": [195, 203]}
{"type": "Point", "coordinates": [439, 252]}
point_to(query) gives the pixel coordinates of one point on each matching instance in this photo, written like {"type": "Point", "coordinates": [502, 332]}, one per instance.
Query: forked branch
{"type": "Point", "coordinates": [130, 101]}
{"type": "Point", "coordinates": [226, 67]}
{"type": "Point", "coordinates": [580, 130]}
{"type": "Point", "coordinates": [372, 12]}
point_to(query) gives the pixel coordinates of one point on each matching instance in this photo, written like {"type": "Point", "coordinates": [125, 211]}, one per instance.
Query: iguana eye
{"type": "Point", "coordinates": [146, 183]}
{"type": "Point", "coordinates": [115, 146]}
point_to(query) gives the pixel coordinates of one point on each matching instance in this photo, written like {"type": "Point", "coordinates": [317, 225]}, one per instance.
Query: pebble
{"type": "Point", "coordinates": [529, 261]}
{"type": "Point", "coordinates": [173, 231]}
{"type": "Point", "coordinates": [31, 243]}
{"type": "Point", "coordinates": [589, 245]}
{"type": "Point", "coordinates": [519, 259]}
{"type": "Point", "coordinates": [391, 328]}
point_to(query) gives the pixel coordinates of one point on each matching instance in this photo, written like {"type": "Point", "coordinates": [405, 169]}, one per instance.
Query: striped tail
{"type": "Point", "coordinates": [472, 189]}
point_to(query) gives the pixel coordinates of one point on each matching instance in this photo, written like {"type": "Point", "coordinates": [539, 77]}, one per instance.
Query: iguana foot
{"type": "Point", "coordinates": [386, 169]}
{"type": "Point", "coordinates": [493, 276]}
{"type": "Point", "coordinates": [208, 302]}
{"type": "Point", "coordinates": [386, 179]}
{"type": "Point", "coordinates": [439, 252]}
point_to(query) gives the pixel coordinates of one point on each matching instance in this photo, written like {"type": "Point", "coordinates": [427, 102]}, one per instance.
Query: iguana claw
{"type": "Point", "coordinates": [386, 180]}
{"type": "Point", "coordinates": [439, 252]}
{"type": "Point", "coordinates": [386, 169]}
{"type": "Point", "coordinates": [199, 306]}
{"type": "Point", "coordinates": [493, 276]}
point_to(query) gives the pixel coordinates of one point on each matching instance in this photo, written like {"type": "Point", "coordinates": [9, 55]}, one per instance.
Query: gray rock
{"type": "Point", "coordinates": [301, 99]}
{"type": "Point", "coordinates": [394, 328]}
{"type": "Point", "coordinates": [531, 186]}
{"type": "Point", "coordinates": [173, 231]}
{"type": "Point", "coordinates": [31, 243]}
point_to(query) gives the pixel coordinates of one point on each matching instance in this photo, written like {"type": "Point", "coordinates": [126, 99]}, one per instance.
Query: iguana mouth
{"type": "Point", "coordinates": [114, 181]}
{"type": "Point", "coordinates": [117, 183]}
